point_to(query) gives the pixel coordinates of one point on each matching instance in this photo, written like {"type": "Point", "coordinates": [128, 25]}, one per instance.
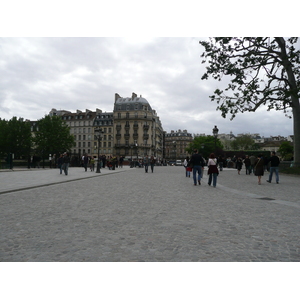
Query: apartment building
{"type": "Point", "coordinates": [137, 128]}
{"type": "Point", "coordinates": [104, 122]}
{"type": "Point", "coordinates": [81, 127]}
{"type": "Point", "coordinates": [175, 144]}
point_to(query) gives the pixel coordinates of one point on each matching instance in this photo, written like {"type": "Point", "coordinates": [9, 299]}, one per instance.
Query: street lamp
{"type": "Point", "coordinates": [174, 145]}
{"type": "Point", "coordinates": [131, 162]}
{"type": "Point", "coordinates": [215, 133]}
{"type": "Point", "coordinates": [137, 154]}
{"type": "Point", "coordinates": [98, 136]}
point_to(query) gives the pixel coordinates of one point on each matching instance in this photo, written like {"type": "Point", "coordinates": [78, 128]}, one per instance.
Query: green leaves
{"type": "Point", "coordinates": [53, 136]}
{"type": "Point", "coordinates": [15, 137]}
{"type": "Point", "coordinates": [258, 67]}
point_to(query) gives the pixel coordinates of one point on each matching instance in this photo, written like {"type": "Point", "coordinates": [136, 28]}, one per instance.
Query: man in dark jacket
{"type": "Point", "coordinates": [197, 163]}
{"type": "Point", "coordinates": [274, 159]}
{"type": "Point", "coordinates": [66, 162]}
{"type": "Point", "coordinates": [247, 163]}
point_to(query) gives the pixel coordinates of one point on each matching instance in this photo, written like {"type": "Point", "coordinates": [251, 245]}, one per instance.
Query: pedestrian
{"type": "Point", "coordinates": [274, 167]}
{"type": "Point", "coordinates": [146, 163]}
{"type": "Point", "coordinates": [92, 164]}
{"type": "Point", "coordinates": [213, 171]}
{"type": "Point", "coordinates": [66, 162]}
{"type": "Point", "coordinates": [221, 162]}
{"type": "Point", "coordinates": [152, 163]}
{"type": "Point", "coordinates": [198, 164]}
{"type": "Point", "coordinates": [259, 168]}
{"type": "Point", "coordinates": [252, 160]}
{"type": "Point", "coordinates": [121, 159]}
{"type": "Point", "coordinates": [53, 161]}
{"type": "Point", "coordinates": [239, 164]}
{"type": "Point", "coordinates": [247, 163]}
{"type": "Point", "coordinates": [234, 161]}
{"type": "Point", "coordinates": [187, 167]}
{"type": "Point", "coordinates": [60, 162]}
{"type": "Point", "coordinates": [85, 160]}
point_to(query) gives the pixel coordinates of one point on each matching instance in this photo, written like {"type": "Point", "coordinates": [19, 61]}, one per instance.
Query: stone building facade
{"type": "Point", "coordinates": [81, 127]}
{"type": "Point", "coordinates": [104, 121]}
{"type": "Point", "coordinates": [133, 129]}
{"type": "Point", "coordinates": [137, 128]}
{"type": "Point", "coordinates": [175, 144]}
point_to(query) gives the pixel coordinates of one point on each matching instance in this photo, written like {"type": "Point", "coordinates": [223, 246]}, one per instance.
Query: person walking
{"type": "Point", "coordinates": [252, 160]}
{"type": "Point", "coordinates": [274, 167]}
{"type": "Point", "coordinates": [60, 162]}
{"type": "Point", "coordinates": [92, 164]}
{"type": "Point", "coordinates": [239, 164]}
{"type": "Point", "coordinates": [197, 163]}
{"type": "Point", "coordinates": [213, 171]}
{"type": "Point", "coordinates": [221, 162]}
{"type": "Point", "coordinates": [152, 163]}
{"type": "Point", "coordinates": [247, 163]}
{"type": "Point", "coordinates": [259, 168]}
{"type": "Point", "coordinates": [121, 159]}
{"type": "Point", "coordinates": [187, 167]}
{"type": "Point", "coordinates": [85, 160]}
{"type": "Point", "coordinates": [66, 162]}
{"type": "Point", "coordinates": [146, 163]}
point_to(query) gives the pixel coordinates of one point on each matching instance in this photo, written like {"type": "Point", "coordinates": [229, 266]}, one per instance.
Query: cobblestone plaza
{"type": "Point", "coordinates": [127, 215]}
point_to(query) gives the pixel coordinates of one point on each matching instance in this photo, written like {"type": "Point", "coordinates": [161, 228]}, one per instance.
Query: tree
{"type": "Point", "coordinates": [205, 145]}
{"type": "Point", "coordinates": [15, 137]}
{"type": "Point", "coordinates": [263, 72]}
{"type": "Point", "coordinates": [243, 142]}
{"type": "Point", "coordinates": [286, 150]}
{"type": "Point", "coordinates": [53, 136]}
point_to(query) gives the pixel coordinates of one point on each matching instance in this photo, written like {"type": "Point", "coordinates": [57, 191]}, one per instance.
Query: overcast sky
{"type": "Point", "coordinates": [70, 73]}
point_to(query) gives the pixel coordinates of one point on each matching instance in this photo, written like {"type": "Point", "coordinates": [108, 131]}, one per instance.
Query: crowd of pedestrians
{"type": "Point", "coordinates": [256, 165]}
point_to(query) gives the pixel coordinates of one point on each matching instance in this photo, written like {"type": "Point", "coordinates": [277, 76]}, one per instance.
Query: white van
{"type": "Point", "coordinates": [178, 162]}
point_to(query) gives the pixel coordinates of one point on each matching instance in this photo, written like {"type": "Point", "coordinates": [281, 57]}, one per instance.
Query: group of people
{"type": "Point", "coordinates": [111, 162]}
{"type": "Point", "coordinates": [196, 164]}
{"type": "Point", "coordinates": [63, 163]}
{"type": "Point", "coordinates": [149, 161]}
{"type": "Point", "coordinates": [256, 165]}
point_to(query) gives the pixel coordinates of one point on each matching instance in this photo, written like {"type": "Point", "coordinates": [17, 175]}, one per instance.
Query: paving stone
{"type": "Point", "coordinates": [129, 215]}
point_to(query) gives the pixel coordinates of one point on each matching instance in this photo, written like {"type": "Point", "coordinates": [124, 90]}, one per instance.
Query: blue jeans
{"type": "Point", "coordinates": [195, 170]}
{"type": "Point", "coordinates": [66, 168]}
{"type": "Point", "coordinates": [146, 168]}
{"type": "Point", "coordinates": [213, 177]}
{"type": "Point", "coordinates": [274, 169]}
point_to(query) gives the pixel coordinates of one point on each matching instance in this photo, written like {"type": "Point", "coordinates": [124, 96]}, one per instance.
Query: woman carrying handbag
{"type": "Point", "coordinates": [213, 171]}
{"type": "Point", "coordinates": [259, 168]}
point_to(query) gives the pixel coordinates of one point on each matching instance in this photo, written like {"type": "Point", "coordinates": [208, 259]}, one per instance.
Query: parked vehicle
{"type": "Point", "coordinates": [178, 162]}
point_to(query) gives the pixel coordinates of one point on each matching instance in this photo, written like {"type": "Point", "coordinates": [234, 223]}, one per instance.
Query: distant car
{"type": "Point", "coordinates": [178, 162]}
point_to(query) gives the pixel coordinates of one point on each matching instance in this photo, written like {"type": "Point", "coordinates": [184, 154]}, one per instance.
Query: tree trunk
{"type": "Point", "coordinates": [296, 119]}
{"type": "Point", "coordinates": [294, 98]}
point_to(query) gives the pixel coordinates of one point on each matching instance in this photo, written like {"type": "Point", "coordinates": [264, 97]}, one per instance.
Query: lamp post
{"type": "Point", "coordinates": [131, 162]}
{"type": "Point", "coordinates": [98, 136]}
{"type": "Point", "coordinates": [215, 133]}
{"type": "Point", "coordinates": [137, 154]}
{"type": "Point", "coordinates": [174, 145]}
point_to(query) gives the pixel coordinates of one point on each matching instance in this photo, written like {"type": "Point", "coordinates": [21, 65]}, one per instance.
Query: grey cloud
{"type": "Point", "coordinates": [38, 74]}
